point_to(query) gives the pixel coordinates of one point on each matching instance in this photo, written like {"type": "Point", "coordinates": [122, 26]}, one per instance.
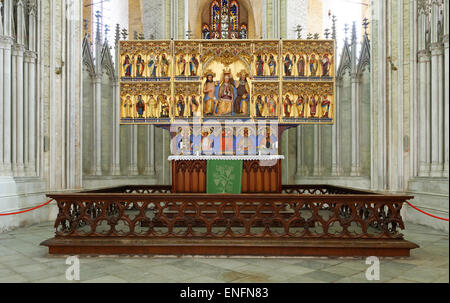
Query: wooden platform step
{"type": "Point", "coordinates": [233, 247]}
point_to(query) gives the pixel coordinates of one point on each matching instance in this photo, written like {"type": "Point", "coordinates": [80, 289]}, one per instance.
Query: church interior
{"type": "Point", "coordinates": [348, 99]}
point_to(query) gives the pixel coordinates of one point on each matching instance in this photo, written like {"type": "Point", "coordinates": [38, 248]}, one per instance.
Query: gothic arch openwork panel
{"type": "Point", "coordinates": [88, 60]}
{"type": "Point", "coordinates": [346, 62]}
{"type": "Point", "coordinates": [364, 58]}
{"type": "Point", "coordinates": [107, 62]}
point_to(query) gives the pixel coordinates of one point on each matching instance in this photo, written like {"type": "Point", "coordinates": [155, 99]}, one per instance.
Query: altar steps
{"type": "Point", "coordinates": [282, 247]}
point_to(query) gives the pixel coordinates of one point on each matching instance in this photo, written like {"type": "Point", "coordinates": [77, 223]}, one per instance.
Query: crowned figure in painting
{"type": "Point", "coordinates": [227, 95]}
{"type": "Point", "coordinates": [241, 104]}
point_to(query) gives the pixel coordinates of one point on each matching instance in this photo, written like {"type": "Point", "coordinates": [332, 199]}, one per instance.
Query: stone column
{"type": "Point", "coordinates": [301, 169]}
{"type": "Point", "coordinates": [335, 167]}
{"type": "Point", "coordinates": [115, 170]}
{"type": "Point", "coordinates": [423, 75]}
{"type": "Point", "coordinates": [446, 90]}
{"type": "Point", "coordinates": [5, 101]}
{"type": "Point", "coordinates": [437, 95]}
{"type": "Point", "coordinates": [18, 111]}
{"type": "Point", "coordinates": [133, 169]}
{"type": "Point", "coordinates": [356, 163]}
{"type": "Point", "coordinates": [424, 163]}
{"type": "Point", "coordinates": [26, 113]}
{"type": "Point", "coordinates": [31, 159]}
{"type": "Point", "coordinates": [2, 98]}
{"type": "Point", "coordinates": [317, 151]}
{"type": "Point", "coordinates": [150, 152]}
{"type": "Point", "coordinates": [97, 119]}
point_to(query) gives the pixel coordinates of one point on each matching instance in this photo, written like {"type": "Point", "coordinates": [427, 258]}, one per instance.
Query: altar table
{"type": "Point", "coordinates": [260, 173]}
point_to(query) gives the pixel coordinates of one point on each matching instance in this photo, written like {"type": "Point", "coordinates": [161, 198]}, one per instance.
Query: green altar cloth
{"type": "Point", "coordinates": [224, 176]}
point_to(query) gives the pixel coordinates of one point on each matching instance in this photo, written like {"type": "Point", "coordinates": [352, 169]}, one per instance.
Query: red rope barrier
{"type": "Point", "coordinates": [27, 210]}
{"type": "Point", "coordinates": [427, 213]}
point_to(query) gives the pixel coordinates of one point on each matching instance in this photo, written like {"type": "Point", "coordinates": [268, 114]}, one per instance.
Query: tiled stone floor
{"type": "Point", "coordinates": [23, 260]}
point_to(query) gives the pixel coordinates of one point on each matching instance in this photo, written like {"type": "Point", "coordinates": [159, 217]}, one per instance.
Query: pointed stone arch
{"type": "Point", "coordinates": [88, 59]}
{"type": "Point", "coordinates": [107, 62]}
{"type": "Point", "coordinates": [364, 57]}
{"type": "Point", "coordinates": [346, 61]}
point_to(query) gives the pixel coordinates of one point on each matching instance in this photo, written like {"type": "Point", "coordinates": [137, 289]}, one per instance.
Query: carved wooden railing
{"type": "Point", "coordinates": [303, 211]}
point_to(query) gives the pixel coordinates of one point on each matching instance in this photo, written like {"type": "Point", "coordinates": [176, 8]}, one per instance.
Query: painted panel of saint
{"type": "Point", "coordinates": [152, 70]}
{"type": "Point", "coordinates": [140, 107]}
{"type": "Point", "coordinates": [181, 110]}
{"type": "Point", "coordinates": [126, 109]}
{"type": "Point", "coordinates": [181, 66]}
{"type": "Point", "coordinates": [164, 105]}
{"type": "Point", "coordinates": [127, 66]}
{"type": "Point", "coordinates": [164, 66]}
{"type": "Point", "coordinates": [313, 107]}
{"type": "Point", "coordinates": [267, 141]}
{"type": "Point", "coordinates": [325, 105]}
{"type": "Point", "coordinates": [313, 66]}
{"type": "Point", "coordinates": [259, 65]}
{"type": "Point", "coordinates": [288, 65]}
{"type": "Point", "coordinates": [246, 141]}
{"type": "Point", "coordinates": [208, 141]}
{"type": "Point", "coordinates": [193, 66]}
{"type": "Point", "coordinates": [227, 141]}
{"type": "Point", "coordinates": [287, 106]}
{"type": "Point", "coordinates": [140, 66]}
{"type": "Point", "coordinates": [301, 66]}
{"type": "Point", "coordinates": [326, 65]}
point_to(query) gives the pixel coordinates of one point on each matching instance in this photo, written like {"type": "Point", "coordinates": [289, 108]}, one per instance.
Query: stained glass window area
{"type": "Point", "coordinates": [225, 21]}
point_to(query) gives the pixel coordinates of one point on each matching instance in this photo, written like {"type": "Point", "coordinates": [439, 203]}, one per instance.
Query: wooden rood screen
{"type": "Point", "coordinates": [304, 220]}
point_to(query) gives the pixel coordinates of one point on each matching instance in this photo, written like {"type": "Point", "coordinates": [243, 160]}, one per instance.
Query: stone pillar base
{"type": "Point", "coordinates": [355, 172]}
{"type": "Point", "coordinates": [436, 170]}
{"type": "Point", "coordinates": [133, 171]}
{"type": "Point", "coordinates": [115, 170]}
{"type": "Point", "coordinates": [149, 171]}
{"type": "Point", "coordinates": [19, 170]}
